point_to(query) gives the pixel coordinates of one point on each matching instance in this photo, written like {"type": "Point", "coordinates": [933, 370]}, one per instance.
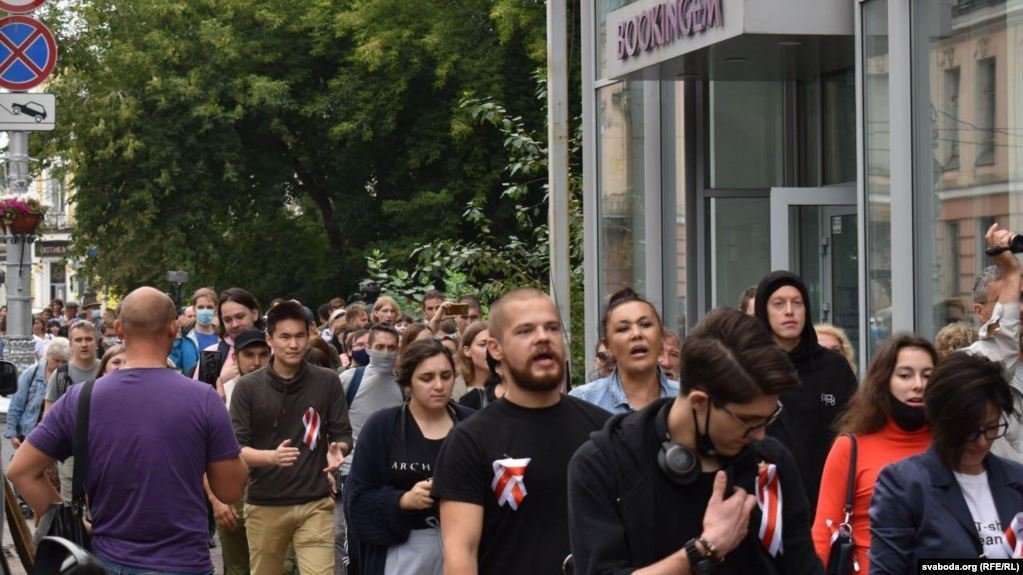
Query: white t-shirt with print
{"type": "Point", "coordinates": [978, 497]}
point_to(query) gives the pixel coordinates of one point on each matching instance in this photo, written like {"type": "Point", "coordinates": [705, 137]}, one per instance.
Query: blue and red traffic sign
{"type": "Point", "coordinates": [20, 6]}
{"type": "Point", "coordinates": [28, 52]}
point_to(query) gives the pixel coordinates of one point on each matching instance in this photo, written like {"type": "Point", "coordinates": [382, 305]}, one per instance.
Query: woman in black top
{"type": "Point", "coordinates": [387, 494]}
{"type": "Point", "coordinates": [492, 390]}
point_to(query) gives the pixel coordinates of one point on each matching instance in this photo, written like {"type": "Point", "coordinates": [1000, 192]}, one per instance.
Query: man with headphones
{"type": "Point", "coordinates": [692, 484]}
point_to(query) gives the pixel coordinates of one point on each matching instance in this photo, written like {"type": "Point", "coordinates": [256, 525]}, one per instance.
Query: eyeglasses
{"type": "Point", "coordinates": [751, 429]}
{"type": "Point", "coordinates": [992, 432]}
{"type": "Point", "coordinates": [603, 356]}
{"type": "Point", "coordinates": [452, 336]}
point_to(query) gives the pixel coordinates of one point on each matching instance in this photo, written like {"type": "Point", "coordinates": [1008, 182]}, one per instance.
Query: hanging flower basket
{"type": "Point", "coordinates": [21, 215]}
{"type": "Point", "coordinates": [26, 224]}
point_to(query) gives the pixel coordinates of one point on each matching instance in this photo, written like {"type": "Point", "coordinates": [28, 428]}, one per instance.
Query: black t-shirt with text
{"type": "Point", "coordinates": [513, 462]}
{"type": "Point", "coordinates": [412, 462]}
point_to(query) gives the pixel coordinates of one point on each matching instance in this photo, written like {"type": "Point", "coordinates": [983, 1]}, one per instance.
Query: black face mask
{"type": "Point", "coordinates": [705, 445]}
{"type": "Point", "coordinates": [907, 417]}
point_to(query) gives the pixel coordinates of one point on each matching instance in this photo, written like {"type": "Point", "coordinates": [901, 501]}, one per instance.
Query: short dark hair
{"type": "Point", "coordinates": [382, 328]}
{"type": "Point", "coordinates": [622, 297]}
{"type": "Point", "coordinates": [732, 357]}
{"type": "Point", "coordinates": [239, 296]}
{"type": "Point", "coordinates": [957, 399]}
{"type": "Point", "coordinates": [416, 353]}
{"type": "Point", "coordinates": [353, 335]}
{"type": "Point", "coordinates": [871, 405]}
{"type": "Point", "coordinates": [286, 310]}
{"type": "Point", "coordinates": [433, 294]}
{"type": "Point", "coordinates": [323, 312]}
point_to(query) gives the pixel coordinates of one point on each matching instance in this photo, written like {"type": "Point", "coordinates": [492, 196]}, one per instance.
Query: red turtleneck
{"type": "Point", "coordinates": [874, 451]}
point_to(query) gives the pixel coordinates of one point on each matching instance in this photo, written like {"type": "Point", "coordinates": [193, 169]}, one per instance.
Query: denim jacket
{"type": "Point", "coordinates": [608, 393]}
{"type": "Point", "coordinates": [23, 412]}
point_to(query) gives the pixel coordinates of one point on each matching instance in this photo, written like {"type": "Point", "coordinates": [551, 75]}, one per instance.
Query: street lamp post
{"type": "Point", "coordinates": [20, 348]}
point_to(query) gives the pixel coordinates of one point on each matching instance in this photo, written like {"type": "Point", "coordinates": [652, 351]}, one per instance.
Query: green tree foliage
{"type": "Point", "coordinates": [493, 261]}
{"type": "Point", "coordinates": [273, 144]}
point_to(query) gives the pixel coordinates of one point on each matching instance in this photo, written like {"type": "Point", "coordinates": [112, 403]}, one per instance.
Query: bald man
{"type": "Point", "coordinates": [153, 434]}
{"type": "Point", "coordinates": [500, 478]}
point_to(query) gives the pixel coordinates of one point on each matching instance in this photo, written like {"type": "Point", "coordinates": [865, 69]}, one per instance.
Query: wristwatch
{"type": "Point", "coordinates": [700, 563]}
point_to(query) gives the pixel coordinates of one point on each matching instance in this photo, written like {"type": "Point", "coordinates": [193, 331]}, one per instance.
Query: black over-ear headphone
{"type": "Point", "coordinates": [679, 463]}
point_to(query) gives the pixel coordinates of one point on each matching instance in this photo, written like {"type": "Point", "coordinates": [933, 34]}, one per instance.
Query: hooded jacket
{"type": "Point", "coordinates": [616, 492]}
{"type": "Point", "coordinates": [826, 385]}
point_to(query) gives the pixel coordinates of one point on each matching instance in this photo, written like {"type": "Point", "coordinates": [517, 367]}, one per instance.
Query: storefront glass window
{"type": "Point", "coordinates": [604, 7]}
{"type": "Point", "coordinates": [967, 139]}
{"type": "Point", "coordinates": [878, 173]}
{"type": "Point", "coordinates": [738, 246]}
{"type": "Point", "coordinates": [620, 186]}
{"type": "Point", "coordinates": [746, 134]}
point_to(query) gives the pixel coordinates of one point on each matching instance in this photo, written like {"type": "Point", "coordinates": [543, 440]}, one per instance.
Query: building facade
{"type": "Point", "coordinates": [54, 271]}
{"type": "Point", "coordinates": [864, 144]}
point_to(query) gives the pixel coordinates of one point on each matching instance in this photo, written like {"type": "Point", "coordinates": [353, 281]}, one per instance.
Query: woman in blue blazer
{"type": "Point", "coordinates": [955, 500]}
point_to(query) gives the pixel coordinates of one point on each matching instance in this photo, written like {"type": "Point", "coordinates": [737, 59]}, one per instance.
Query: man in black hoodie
{"type": "Point", "coordinates": [827, 381]}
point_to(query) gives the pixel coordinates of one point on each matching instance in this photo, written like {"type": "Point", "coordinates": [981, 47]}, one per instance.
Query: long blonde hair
{"type": "Point", "coordinates": [381, 301]}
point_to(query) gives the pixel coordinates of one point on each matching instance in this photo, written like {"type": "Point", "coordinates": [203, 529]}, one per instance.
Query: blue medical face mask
{"type": "Point", "coordinates": [204, 317]}
{"type": "Point", "coordinates": [361, 357]}
{"type": "Point", "coordinates": [96, 314]}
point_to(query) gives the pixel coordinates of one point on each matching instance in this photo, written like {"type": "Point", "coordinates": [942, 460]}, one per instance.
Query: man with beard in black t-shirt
{"type": "Point", "coordinates": [501, 475]}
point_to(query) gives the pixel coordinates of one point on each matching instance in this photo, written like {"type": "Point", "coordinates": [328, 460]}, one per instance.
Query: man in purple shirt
{"type": "Point", "coordinates": [153, 433]}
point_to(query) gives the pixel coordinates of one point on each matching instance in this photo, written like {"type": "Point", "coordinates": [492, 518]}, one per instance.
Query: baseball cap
{"type": "Point", "coordinates": [249, 337]}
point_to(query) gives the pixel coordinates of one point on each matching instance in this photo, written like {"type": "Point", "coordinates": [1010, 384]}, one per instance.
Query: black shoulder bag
{"type": "Point", "coordinates": [841, 560]}
{"type": "Point", "coordinates": [66, 519]}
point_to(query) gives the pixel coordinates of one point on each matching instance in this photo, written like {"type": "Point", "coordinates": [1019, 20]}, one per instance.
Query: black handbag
{"type": "Point", "coordinates": [66, 520]}
{"type": "Point", "coordinates": [841, 560]}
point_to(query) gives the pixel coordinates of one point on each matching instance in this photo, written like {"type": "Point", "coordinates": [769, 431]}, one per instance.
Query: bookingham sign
{"type": "Point", "coordinates": [662, 24]}
{"type": "Point", "coordinates": [645, 33]}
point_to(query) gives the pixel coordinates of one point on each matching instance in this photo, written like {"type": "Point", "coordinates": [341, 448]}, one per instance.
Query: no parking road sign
{"type": "Point", "coordinates": [20, 6]}
{"type": "Point", "coordinates": [28, 52]}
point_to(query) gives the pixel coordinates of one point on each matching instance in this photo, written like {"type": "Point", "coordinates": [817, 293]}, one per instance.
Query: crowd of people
{"type": "Point", "coordinates": [355, 438]}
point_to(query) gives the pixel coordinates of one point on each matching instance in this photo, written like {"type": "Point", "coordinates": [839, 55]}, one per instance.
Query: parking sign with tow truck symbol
{"type": "Point", "coordinates": [27, 111]}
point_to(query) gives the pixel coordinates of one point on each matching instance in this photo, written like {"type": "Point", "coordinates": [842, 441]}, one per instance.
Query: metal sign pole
{"type": "Point", "coordinates": [19, 349]}
{"type": "Point", "coordinates": [557, 145]}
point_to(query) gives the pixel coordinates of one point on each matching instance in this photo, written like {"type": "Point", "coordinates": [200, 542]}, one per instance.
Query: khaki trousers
{"type": "Point", "coordinates": [310, 527]}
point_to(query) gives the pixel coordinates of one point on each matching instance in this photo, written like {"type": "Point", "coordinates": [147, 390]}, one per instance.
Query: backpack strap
{"type": "Point", "coordinates": [353, 387]}
{"type": "Point", "coordinates": [80, 447]}
{"type": "Point", "coordinates": [223, 350]}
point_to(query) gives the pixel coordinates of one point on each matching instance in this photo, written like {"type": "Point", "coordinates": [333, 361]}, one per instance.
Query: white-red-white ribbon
{"type": "Point", "coordinates": [1013, 540]}
{"type": "Point", "coordinates": [509, 483]}
{"type": "Point", "coordinates": [769, 501]}
{"type": "Point", "coordinates": [311, 421]}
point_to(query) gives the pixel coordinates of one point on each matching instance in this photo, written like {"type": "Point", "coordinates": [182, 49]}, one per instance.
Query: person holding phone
{"type": "Point", "coordinates": [387, 494]}
{"type": "Point", "coordinates": [692, 484]}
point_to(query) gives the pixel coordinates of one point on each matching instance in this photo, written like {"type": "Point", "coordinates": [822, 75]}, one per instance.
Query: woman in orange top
{"type": "Point", "coordinates": [887, 417]}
